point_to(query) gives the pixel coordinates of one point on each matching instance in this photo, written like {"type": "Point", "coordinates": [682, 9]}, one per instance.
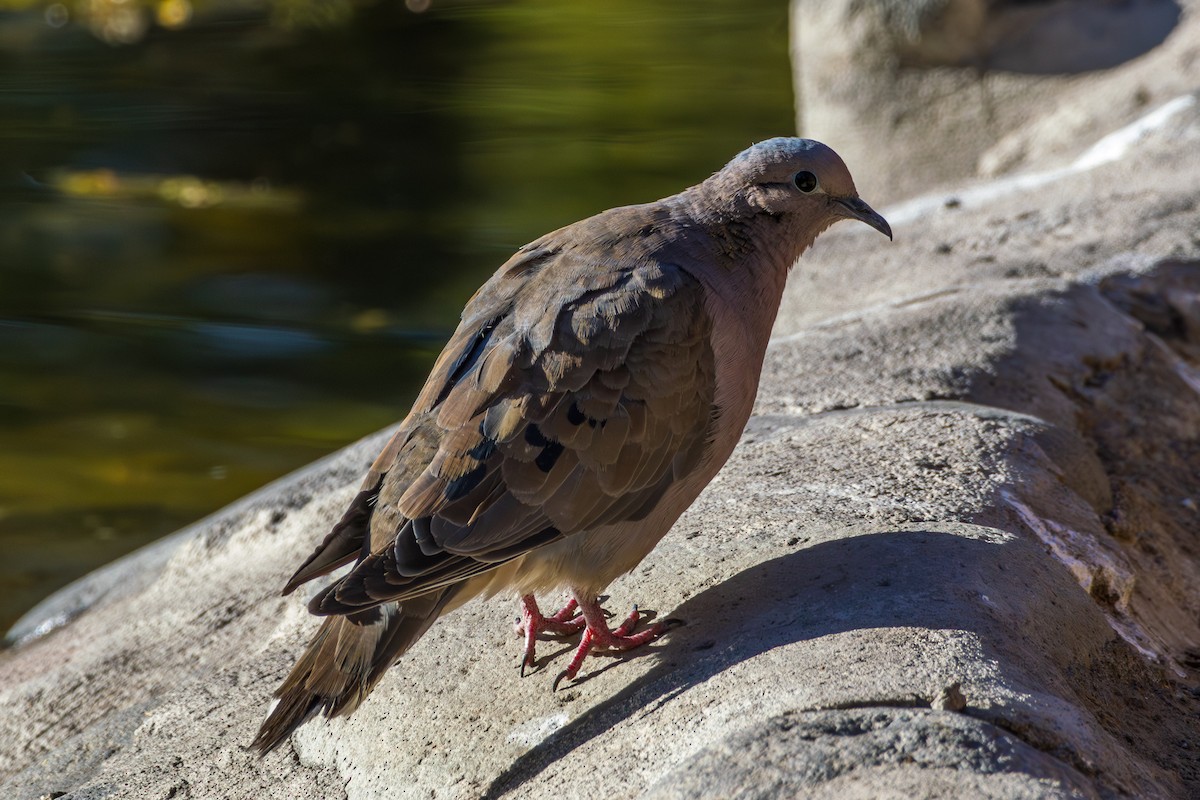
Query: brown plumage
{"type": "Point", "coordinates": [598, 381]}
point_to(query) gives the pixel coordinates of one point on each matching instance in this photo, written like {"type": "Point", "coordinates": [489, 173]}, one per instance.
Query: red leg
{"type": "Point", "coordinates": [532, 622]}
{"type": "Point", "coordinates": [597, 636]}
{"type": "Point", "coordinates": [565, 620]}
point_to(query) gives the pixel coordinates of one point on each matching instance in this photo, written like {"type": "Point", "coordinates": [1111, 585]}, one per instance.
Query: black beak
{"type": "Point", "coordinates": [857, 209]}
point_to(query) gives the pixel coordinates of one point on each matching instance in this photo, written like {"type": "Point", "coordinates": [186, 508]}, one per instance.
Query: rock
{"type": "Point", "coordinates": [941, 90]}
{"type": "Point", "coordinates": [826, 755]}
{"type": "Point", "coordinates": [973, 463]}
{"type": "Point", "coordinates": [950, 698]}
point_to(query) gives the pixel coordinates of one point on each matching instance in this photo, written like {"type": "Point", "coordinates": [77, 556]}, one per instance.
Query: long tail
{"type": "Point", "coordinates": [344, 661]}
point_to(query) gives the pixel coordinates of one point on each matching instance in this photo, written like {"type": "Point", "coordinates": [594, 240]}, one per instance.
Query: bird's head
{"type": "Point", "coordinates": [796, 179]}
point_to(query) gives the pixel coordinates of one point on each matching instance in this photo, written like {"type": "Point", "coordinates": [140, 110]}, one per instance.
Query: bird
{"type": "Point", "coordinates": [595, 384]}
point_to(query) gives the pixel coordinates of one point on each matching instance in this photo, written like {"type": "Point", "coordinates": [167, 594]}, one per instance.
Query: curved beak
{"type": "Point", "coordinates": [857, 209]}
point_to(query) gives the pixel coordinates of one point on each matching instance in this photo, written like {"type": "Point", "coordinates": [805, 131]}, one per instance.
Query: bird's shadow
{"type": "Point", "coordinates": [874, 580]}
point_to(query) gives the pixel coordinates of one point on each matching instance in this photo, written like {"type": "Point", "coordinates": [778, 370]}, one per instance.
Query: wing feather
{"type": "Point", "coordinates": [545, 415]}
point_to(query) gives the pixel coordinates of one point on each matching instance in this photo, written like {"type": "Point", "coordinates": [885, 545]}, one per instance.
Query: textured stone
{"type": "Point", "coordinates": [922, 90]}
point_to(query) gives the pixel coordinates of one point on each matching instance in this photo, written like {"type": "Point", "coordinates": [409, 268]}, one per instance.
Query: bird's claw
{"type": "Point", "coordinates": [597, 636]}
{"type": "Point", "coordinates": [532, 623]}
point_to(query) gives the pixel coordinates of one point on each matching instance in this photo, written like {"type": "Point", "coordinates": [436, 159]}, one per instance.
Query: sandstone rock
{"type": "Point", "coordinates": [940, 90]}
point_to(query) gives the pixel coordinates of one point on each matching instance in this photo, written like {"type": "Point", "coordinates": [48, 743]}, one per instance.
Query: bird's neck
{"type": "Point", "coordinates": [753, 249]}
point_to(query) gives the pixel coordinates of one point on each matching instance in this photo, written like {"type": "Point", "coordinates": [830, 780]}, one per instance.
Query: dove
{"type": "Point", "coordinates": [596, 383]}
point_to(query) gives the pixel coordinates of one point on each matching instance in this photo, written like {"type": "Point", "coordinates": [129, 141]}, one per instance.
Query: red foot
{"type": "Point", "coordinates": [564, 623]}
{"type": "Point", "coordinates": [597, 636]}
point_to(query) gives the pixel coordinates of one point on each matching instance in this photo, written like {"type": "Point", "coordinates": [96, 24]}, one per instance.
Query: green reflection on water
{"type": "Point", "coordinates": [233, 246]}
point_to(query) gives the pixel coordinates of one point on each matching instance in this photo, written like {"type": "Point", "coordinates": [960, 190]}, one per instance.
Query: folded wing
{"type": "Point", "coordinates": [546, 415]}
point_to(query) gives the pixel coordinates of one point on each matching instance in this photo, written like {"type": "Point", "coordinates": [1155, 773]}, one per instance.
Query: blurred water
{"type": "Point", "coordinates": [233, 238]}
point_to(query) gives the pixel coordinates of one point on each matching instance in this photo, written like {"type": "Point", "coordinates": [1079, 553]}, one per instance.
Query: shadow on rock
{"type": "Point", "coordinates": [907, 578]}
{"type": "Point", "coordinates": [1114, 368]}
{"type": "Point", "coordinates": [1073, 36]}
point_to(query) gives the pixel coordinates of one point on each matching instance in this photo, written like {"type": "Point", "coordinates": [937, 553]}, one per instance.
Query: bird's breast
{"type": "Point", "coordinates": [741, 330]}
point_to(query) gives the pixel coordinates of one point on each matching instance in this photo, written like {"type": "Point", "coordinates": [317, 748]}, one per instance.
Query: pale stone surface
{"type": "Point", "coordinates": [919, 90]}
{"type": "Point", "coordinates": [974, 461]}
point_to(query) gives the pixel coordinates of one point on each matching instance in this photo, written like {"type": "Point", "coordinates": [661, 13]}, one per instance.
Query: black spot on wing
{"type": "Point", "coordinates": [467, 359]}
{"type": "Point", "coordinates": [549, 455]}
{"type": "Point", "coordinates": [483, 451]}
{"type": "Point", "coordinates": [460, 486]}
{"type": "Point", "coordinates": [575, 416]}
{"type": "Point", "coordinates": [534, 436]}
{"type": "Point", "coordinates": [551, 449]}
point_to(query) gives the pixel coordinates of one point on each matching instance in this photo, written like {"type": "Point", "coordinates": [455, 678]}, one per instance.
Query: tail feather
{"type": "Point", "coordinates": [343, 662]}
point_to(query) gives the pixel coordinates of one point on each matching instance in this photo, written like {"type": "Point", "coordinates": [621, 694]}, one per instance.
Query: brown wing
{"type": "Point", "coordinates": [547, 414]}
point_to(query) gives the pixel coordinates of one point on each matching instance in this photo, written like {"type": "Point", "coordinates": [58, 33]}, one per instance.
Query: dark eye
{"type": "Point", "coordinates": [805, 181]}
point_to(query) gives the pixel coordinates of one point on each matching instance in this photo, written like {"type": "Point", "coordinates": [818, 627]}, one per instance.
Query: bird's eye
{"type": "Point", "coordinates": [805, 181]}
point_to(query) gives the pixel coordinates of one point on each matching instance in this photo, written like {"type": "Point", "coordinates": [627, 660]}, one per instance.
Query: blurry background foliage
{"type": "Point", "coordinates": [234, 234]}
